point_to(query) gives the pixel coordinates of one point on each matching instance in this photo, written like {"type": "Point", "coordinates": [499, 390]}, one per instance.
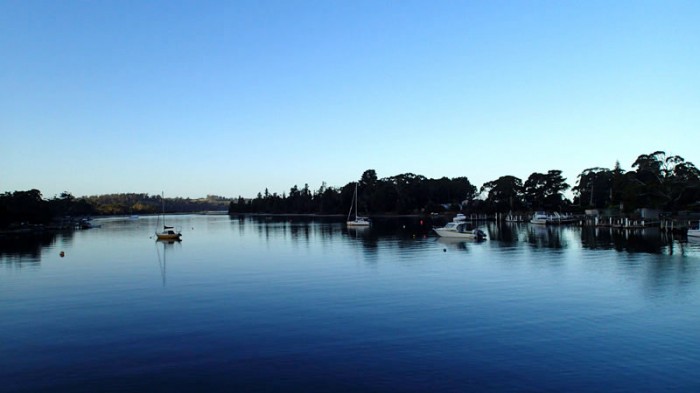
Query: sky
{"type": "Point", "coordinates": [196, 98]}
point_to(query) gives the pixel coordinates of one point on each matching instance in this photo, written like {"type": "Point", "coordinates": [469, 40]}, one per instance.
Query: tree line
{"type": "Point", "coordinates": [659, 181]}
{"type": "Point", "coordinates": [29, 207]}
{"type": "Point", "coordinates": [400, 194]}
{"type": "Point", "coordinates": [135, 204]}
{"type": "Point", "coordinates": [668, 183]}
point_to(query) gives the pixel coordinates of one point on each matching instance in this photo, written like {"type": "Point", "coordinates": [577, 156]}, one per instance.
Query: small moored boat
{"type": "Point", "coordinates": [168, 232]}
{"type": "Point", "coordinates": [359, 221]}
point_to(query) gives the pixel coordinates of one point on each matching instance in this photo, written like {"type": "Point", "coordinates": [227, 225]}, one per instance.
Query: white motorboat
{"type": "Point", "coordinates": [539, 218]}
{"type": "Point", "coordinates": [460, 229]}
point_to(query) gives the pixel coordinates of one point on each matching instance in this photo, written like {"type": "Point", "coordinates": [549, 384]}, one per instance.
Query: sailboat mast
{"type": "Point", "coordinates": [355, 201]}
{"type": "Point", "coordinates": [354, 196]}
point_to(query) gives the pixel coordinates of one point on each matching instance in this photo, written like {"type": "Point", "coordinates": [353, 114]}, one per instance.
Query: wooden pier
{"type": "Point", "coordinates": [671, 225]}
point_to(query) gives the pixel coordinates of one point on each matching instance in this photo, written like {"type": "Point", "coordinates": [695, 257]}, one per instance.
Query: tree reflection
{"type": "Point", "coordinates": [402, 232]}
{"type": "Point", "coordinates": [545, 236]}
{"type": "Point", "coordinates": [26, 248]}
{"type": "Point", "coordinates": [649, 240]}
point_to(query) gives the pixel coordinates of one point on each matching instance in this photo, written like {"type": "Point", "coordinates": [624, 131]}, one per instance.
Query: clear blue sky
{"type": "Point", "coordinates": [228, 98]}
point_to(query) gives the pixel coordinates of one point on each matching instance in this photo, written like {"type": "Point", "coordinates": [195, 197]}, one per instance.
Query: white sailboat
{"type": "Point", "coordinates": [358, 221]}
{"type": "Point", "coordinates": [168, 232]}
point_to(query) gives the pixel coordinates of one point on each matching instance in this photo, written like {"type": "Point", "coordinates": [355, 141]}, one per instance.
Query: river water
{"type": "Point", "coordinates": [306, 305]}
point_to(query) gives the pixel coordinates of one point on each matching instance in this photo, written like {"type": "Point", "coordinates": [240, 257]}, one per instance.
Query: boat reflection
{"type": "Point", "coordinates": [167, 244]}
{"type": "Point", "coordinates": [358, 231]}
{"type": "Point", "coordinates": [457, 243]}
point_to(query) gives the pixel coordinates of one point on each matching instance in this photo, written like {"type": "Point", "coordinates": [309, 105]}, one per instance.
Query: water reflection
{"type": "Point", "coordinates": [649, 240]}
{"type": "Point", "coordinates": [457, 244]}
{"type": "Point", "coordinates": [306, 229]}
{"type": "Point", "coordinates": [166, 246]}
{"type": "Point", "coordinates": [507, 232]}
{"type": "Point", "coordinates": [25, 249]}
{"type": "Point", "coordinates": [410, 236]}
{"type": "Point", "coordinates": [537, 236]}
{"type": "Point", "coordinates": [387, 232]}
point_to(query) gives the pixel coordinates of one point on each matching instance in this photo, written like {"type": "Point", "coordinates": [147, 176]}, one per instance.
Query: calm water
{"type": "Point", "coordinates": [308, 306]}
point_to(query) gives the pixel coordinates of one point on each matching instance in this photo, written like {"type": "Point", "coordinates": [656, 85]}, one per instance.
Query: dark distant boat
{"type": "Point", "coordinates": [168, 232]}
{"type": "Point", "coordinates": [694, 233]}
{"type": "Point", "coordinates": [86, 223]}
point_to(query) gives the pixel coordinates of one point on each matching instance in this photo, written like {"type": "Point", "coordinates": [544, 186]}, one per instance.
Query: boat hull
{"type": "Point", "coordinates": [168, 236]}
{"type": "Point", "coordinates": [475, 234]}
{"type": "Point", "coordinates": [357, 223]}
